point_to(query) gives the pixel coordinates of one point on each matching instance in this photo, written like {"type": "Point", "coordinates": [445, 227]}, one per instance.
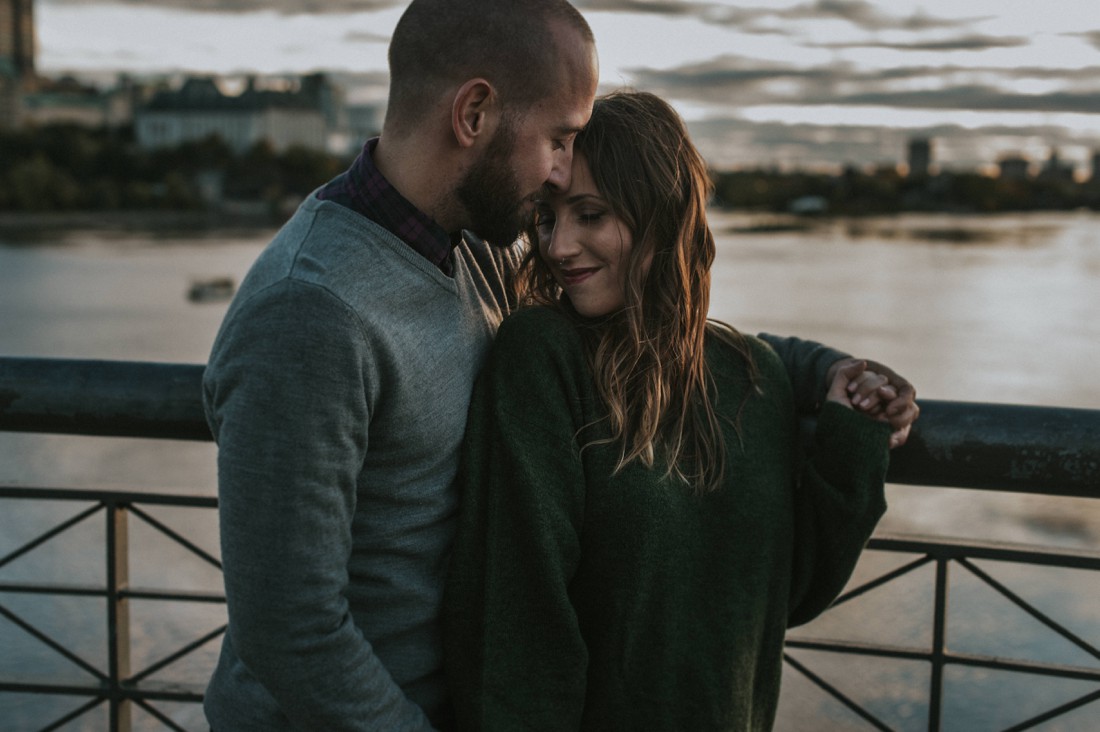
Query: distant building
{"type": "Point", "coordinates": [17, 49]}
{"type": "Point", "coordinates": [364, 122]}
{"type": "Point", "coordinates": [67, 101]}
{"type": "Point", "coordinates": [1014, 167]}
{"type": "Point", "coordinates": [308, 116]}
{"type": "Point", "coordinates": [1056, 170]}
{"type": "Point", "coordinates": [920, 157]}
{"type": "Point", "coordinates": [17, 38]}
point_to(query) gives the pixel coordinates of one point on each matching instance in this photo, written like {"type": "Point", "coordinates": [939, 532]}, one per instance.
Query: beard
{"type": "Point", "coordinates": [490, 192]}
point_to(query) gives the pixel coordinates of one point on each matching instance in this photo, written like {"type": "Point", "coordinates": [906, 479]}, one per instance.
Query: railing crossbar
{"type": "Point", "coordinates": [60, 590]}
{"type": "Point", "coordinates": [180, 653]}
{"type": "Point", "coordinates": [870, 585]}
{"type": "Point", "coordinates": [897, 653]}
{"type": "Point", "coordinates": [172, 534]}
{"type": "Point", "coordinates": [1034, 555]}
{"type": "Point", "coordinates": [1030, 609]}
{"type": "Point", "coordinates": [993, 663]}
{"type": "Point", "coordinates": [48, 493]}
{"type": "Point", "coordinates": [836, 693]}
{"type": "Point", "coordinates": [157, 713]}
{"type": "Point", "coordinates": [173, 596]}
{"type": "Point", "coordinates": [1055, 712]}
{"type": "Point", "coordinates": [78, 712]}
{"type": "Point", "coordinates": [157, 691]}
{"type": "Point", "coordinates": [54, 645]}
{"type": "Point", "coordinates": [43, 538]}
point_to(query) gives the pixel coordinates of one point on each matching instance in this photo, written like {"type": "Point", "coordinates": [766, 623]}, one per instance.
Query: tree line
{"type": "Point", "coordinates": [73, 168]}
{"type": "Point", "coordinates": [855, 192]}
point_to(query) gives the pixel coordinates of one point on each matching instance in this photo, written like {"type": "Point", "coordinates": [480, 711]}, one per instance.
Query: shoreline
{"type": "Point", "coordinates": [132, 220]}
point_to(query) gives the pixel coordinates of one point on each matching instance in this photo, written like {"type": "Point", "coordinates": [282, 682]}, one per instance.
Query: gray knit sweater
{"type": "Point", "coordinates": [337, 391]}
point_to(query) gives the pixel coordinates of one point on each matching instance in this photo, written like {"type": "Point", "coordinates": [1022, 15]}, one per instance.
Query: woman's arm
{"type": "Point", "coordinates": [514, 655]}
{"type": "Point", "coordinates": [838, 500]}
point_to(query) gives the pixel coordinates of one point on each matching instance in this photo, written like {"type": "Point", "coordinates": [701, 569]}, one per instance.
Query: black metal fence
{"type": "Point", "coordinates": [1041, 450]}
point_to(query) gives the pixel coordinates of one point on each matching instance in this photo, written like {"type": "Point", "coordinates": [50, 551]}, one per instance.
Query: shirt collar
{"type": "Point", "coordinates": [366, 191]}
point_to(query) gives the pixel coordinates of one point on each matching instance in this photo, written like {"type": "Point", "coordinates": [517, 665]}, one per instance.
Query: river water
{"type": "Point", "coordinates": [997, 309]}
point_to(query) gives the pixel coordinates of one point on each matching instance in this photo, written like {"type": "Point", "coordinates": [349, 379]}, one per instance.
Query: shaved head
{"type": "Point", "coordinates": [510, 43]}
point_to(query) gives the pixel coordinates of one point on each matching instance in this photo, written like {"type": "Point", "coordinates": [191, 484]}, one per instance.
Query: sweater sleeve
{"type": "Point", "coordinates": [287, 399]}
{"type": "Point", "coordinates": [514, 655]}
{"type": "Point", "coordinates": [806, 362]}
{"type": "Point", "coordinates": [838, 501]}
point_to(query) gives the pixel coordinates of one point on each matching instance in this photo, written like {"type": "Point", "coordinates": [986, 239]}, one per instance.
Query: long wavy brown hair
{"type": "Point", "coordinates": [648, 359]}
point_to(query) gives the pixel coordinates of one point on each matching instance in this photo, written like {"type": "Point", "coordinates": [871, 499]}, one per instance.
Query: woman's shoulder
{"type": "Point", "coordinates": [536, 322]}
{"type": "Point", "coordinates": [536, 329]}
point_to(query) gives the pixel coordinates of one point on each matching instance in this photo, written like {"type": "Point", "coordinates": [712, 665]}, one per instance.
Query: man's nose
{"type": "Point", "coordinates": [560, 172]}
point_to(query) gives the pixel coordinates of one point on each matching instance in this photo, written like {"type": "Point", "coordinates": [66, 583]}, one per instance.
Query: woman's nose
{"type": "Point", "coordinates": [563, 242]}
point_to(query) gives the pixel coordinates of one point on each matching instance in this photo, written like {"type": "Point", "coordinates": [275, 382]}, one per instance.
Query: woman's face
{"type": "Point", "coordinates": [585, 245]}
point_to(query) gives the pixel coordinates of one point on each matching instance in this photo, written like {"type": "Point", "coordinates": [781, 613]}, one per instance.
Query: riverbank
{"type": "Point", "coordinates": [28, 227]}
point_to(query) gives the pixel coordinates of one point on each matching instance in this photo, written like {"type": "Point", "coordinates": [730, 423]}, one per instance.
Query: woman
{"type": "Point", "coordinates": [638, 528]}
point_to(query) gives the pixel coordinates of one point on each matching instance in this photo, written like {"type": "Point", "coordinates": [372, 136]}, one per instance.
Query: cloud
{"type": "Point", "coordinates": [977, 97]}
{"type": "Point", "coordinates": [1092, 37]}
{"type": "Point", "coordinates": [747, 82]}
{"type": "Point", "coordinates": [359, 36]}
{"type": "Point", "coordinates": [969, 42]}
{"type": "Point", "coordinates": [857, 12]}
{"type": "Point", "coordinates": [736, 79]}
{"type": "Point", "coordinates": [282, 7]}
{"type": "Point", "coordinates": [866, 16]}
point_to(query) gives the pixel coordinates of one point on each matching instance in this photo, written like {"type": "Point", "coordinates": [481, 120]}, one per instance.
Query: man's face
{"type": "Point", "coordinates": [531, 153]}
{"type": "Point", "coordinates": [491, 194]}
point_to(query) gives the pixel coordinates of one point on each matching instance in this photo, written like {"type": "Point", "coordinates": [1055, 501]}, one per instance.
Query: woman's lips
{"type": "Point", "coordinates": [577, 275]}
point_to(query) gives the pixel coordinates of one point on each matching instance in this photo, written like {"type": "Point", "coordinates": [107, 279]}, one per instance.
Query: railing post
{"type": "Point", "coordinates": [939, 647]}
{"type": "Point", "coordinates": [118, 615]}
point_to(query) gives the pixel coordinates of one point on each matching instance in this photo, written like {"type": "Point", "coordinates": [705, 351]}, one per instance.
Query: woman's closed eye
{"type": "Point", "coordinates": [544, 221]}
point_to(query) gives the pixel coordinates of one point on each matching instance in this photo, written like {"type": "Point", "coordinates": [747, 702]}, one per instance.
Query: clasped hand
{"type": "Point", "coordinates": [877, 391]}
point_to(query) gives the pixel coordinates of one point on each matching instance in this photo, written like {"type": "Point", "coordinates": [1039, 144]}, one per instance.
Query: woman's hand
{"type": "Point", "coordinates": [877, 391]}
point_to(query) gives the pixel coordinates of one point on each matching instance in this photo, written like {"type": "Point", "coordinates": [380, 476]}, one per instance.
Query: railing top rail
{"type": "Point", "coordinates": [1007, 447]}
{"type": "Point", "coordinates": [109, 398]}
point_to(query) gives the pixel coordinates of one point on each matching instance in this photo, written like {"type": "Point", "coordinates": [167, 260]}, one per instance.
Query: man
{"type": "Point", "coordinates": [338, 386]}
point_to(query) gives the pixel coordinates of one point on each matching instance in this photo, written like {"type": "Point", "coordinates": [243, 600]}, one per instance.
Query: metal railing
{"type": "Point", "coordinates": [1042, 450]}
{"type": "Point", "coordinates": [120, 686]}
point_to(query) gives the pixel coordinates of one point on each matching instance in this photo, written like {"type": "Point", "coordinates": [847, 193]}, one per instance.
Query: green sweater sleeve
{"type": "Point", "coordinates": [838, 501]}
{"type": "Point", "coordinates": [514, 655]}
{"type": "Point", "coordinates": [806, 363]}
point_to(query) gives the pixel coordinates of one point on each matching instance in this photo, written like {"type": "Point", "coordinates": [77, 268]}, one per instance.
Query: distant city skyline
{"type": "Point", "coordinates": [789, 83]}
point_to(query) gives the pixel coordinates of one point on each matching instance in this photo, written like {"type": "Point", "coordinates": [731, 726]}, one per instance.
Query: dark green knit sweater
{"type": "Point", "coordinates": [581, 601]}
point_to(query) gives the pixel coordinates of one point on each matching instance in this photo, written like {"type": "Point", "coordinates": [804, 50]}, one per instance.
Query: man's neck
{"type": "Point", "coordinates": [407, 163]}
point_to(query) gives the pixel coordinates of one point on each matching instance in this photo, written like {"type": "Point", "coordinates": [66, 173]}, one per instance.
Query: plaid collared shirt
{"type": "Point", "coordinates": [366, 191]}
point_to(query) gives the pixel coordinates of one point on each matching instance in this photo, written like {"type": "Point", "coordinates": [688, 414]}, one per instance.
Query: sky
{"type": "Point", "coordinates": [786, 83]}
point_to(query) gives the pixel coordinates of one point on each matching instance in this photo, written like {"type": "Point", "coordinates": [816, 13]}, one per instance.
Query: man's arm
{"type": "Point", "coordinates": [808, 365]}
{"type": "Point", "coordinates": [288, 402]}
{"type": "Point", "coordinates": [883, 393]}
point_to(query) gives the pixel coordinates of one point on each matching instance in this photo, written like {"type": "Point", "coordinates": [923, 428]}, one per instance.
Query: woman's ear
{"type": "Point", "coordinates": [475, 112]}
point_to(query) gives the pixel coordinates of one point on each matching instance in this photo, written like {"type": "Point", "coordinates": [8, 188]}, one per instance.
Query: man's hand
{"type": "Point", "coordinates": [878, 391]}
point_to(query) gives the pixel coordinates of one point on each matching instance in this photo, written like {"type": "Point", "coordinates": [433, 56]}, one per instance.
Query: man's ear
{"type": "Point", "coordinates": [475, 112]}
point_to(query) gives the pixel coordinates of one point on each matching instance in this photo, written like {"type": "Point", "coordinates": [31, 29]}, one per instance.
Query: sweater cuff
{"type": "Point", "coordinates": [850, 446]}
